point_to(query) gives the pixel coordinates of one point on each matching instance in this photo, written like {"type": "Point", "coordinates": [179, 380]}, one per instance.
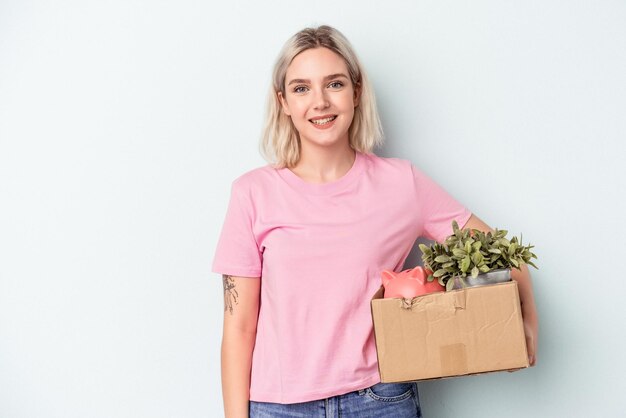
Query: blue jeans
{"type": "Point", "coordinates": [383, 400]}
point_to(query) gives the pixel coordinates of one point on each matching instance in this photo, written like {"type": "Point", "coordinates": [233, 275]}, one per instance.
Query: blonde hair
{"type": "Point", "coordinates": [280, 141]}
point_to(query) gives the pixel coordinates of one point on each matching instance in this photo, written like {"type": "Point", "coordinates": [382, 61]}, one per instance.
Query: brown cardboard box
{"type": "Point", "coordinates": [444, 334]}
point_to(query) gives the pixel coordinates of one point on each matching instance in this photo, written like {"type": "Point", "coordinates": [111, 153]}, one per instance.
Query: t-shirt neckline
{"type": "Point", "coordinates": [323, 188]}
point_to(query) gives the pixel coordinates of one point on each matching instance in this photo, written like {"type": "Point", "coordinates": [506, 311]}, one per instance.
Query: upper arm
{"type": "Point", "coordinates": [242, 297]}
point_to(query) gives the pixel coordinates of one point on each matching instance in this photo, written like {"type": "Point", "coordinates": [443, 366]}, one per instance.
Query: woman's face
{"type": "Point", "coordinates": [319, 97]}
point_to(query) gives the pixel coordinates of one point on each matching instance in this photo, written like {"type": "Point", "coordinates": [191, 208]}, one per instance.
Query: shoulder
{"type": "Point", "coordinates": [255, 177]}
{"type": "Point", "coordinates": [389, 165]}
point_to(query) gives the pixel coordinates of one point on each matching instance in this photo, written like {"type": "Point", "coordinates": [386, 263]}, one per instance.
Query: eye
{"type": "Point", "coordinates": [300, 89]}
{"type": "Point", "coordinates": [336, 84]}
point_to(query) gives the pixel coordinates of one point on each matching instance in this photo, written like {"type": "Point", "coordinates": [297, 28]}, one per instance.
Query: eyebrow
{"type": "Point", "coordinates": [328, 77]}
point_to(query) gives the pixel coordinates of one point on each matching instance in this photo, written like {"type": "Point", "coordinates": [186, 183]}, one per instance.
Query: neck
{"type": "Point", "coordinates": [323, 164]}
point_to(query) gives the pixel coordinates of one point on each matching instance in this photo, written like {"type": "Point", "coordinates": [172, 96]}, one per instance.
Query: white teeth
{"type": "Point", "coordinates": [323, 121]}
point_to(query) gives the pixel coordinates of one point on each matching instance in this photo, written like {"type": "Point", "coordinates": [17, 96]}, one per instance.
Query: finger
{"type": "Point", "coordinates": [530, 348]}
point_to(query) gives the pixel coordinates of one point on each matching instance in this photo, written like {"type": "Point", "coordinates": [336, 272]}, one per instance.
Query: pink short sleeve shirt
{"type": "Point", "coordinates": [319, 250]}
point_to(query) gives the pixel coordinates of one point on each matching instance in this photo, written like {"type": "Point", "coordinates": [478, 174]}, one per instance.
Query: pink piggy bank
{"type": "Point", "coordinates": [409, 283]}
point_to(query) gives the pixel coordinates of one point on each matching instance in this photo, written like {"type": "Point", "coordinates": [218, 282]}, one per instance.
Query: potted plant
{"type": "Point", "coordinates": [471, 257]}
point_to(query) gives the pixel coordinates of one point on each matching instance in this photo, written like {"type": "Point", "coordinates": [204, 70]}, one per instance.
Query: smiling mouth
{"type": "Point", "coordinates": [323, 121]}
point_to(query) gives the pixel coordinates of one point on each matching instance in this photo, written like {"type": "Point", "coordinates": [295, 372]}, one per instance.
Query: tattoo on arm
{"type": "Point", "coordinates": [230, 294]}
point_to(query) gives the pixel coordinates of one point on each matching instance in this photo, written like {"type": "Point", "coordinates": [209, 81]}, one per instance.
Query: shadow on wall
{"type": "Point", "coordinates": [415, 256]}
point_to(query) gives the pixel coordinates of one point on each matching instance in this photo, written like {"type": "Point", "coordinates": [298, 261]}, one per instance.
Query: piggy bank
{"type": "Point", "coordinates": [409, 283]}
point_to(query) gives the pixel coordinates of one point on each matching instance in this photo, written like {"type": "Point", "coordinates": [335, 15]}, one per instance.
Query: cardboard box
{"type": "Point", "coordinates": [444, 334]}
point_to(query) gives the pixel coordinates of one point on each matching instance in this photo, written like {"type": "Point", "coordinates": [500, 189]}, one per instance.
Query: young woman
{"type": "Point", "coordinates": [306, 237]}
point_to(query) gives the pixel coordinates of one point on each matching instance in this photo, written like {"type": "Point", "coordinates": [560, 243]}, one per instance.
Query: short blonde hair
{"type": "Point", "coordinates": [280, 141]}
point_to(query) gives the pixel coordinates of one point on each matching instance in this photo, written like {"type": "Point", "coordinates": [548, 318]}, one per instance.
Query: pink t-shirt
{"type": "Point", "coordinates": [320, 250]}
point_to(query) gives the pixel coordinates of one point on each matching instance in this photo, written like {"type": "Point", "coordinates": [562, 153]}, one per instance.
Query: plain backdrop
{"type": "Point", "coordinates": [123, 124]}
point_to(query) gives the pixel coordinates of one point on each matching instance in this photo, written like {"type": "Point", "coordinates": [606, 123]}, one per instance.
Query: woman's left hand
{"type": "Point", "coordinates": [531, 332]}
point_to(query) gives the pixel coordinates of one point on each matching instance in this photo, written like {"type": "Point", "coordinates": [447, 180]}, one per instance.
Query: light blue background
{"type": "Point", "coordinates": [123, 123]}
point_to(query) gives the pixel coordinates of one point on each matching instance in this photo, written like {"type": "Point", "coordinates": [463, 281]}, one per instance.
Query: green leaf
{"type": "Point", "coordinates": [477, 258]}
{"type": "Point", "coordinates": [442, 259]}
{"type": "Point", "coordinates": [494, 251]}
{"type": "Point", "coordinates": [465, 263]}
{"type": "Point", "coordinates": [449, 285]}
{"type": "Point", "coordinates": [458, 252]}
{"type": "Point", "coordinates": [475, 272]}
{"type": "Point", "coordinates": [439, 273]}
{"type": "Point", "coordinates": [484, 268]}
{"type": "Point", "coordinates": [477, 245]}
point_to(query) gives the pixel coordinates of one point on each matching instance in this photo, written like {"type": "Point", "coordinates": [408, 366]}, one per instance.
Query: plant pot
{"type": "Point", "coordinates": [492, 277]}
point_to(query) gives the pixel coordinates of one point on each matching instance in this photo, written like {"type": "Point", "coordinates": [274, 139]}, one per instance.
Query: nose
{"type": "Point", "coordinates": [320, 99]}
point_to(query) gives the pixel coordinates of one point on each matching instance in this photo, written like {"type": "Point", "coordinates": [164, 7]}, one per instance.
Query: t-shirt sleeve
{"type": "Point", "coordinates": [237, 252]}
{"type": "Point", "coordinates": [438, 207]}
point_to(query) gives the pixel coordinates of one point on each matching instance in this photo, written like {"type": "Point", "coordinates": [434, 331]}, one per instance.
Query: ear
{"type": "Point", "coordinates": [419, 274]}
{"type": "Point", "coordinates": [387, 276]}
{"type": "Point", "coordinates": [283, 103]}
{"type": "Point", "coordinates": [357, 94]}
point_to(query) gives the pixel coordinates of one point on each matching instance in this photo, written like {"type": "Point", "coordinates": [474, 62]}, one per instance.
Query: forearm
{"type": "Point", "coordinates": [529, 311]}
{"type": "Point", "coordinates": [237, 347]}
{"type": "Point", "coordinates": [525, 287]}
{"type": "Point", "coordinates": [527, 299]}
